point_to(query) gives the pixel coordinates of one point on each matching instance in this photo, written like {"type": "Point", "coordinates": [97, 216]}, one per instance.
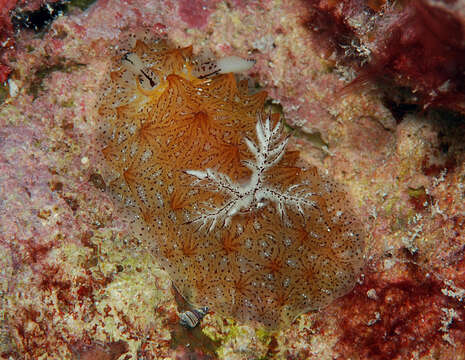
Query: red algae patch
{"type": "Point", "coordinates": [416, 44]}
{"type": "Point", "coordinates": [241, 224]}
{"type": "Point", "coordinates": [399, 312]}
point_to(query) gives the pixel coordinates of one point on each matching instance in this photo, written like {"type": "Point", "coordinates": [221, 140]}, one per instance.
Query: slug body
{"type": "Point", "coordinates": [241, 223]}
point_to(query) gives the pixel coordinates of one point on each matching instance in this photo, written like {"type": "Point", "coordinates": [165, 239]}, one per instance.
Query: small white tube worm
{"type": "Point", "coordinates": [228, 64]}
{"type": "Point", "coordinates": [234, 64]}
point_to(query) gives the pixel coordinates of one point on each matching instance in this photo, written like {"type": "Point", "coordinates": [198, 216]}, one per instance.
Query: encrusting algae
{"type": "Point", "coordinates": [241, 224]}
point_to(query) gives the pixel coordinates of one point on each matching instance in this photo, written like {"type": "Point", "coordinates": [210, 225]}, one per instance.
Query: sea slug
{"type": "Point", "coordinates": [242, 224]}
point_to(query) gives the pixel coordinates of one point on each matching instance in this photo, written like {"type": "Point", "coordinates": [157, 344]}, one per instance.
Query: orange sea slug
{"type": "Point", "coordinates": [241, 224]}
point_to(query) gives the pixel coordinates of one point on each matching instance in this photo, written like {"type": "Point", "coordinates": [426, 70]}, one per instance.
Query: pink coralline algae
{"type": "Point", "coordinates": [7, 41]}
{"type": "Point", "coordinates": [195, 12]}
{"type": "Point", "coordinates": [6, 27]}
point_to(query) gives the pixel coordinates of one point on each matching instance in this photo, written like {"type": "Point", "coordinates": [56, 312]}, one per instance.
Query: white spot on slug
{"type": "Point", "coordinates": [133, 62]}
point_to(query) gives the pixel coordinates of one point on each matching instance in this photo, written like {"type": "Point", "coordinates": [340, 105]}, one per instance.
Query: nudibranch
{"type": "Point", "coordinates": [241, 223]}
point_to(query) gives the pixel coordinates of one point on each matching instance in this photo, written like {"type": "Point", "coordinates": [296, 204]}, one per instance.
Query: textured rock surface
{"type": "Point", "coordinates": [64, 245]}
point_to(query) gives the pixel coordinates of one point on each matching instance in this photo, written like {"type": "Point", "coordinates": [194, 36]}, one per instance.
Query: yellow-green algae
{"type": "Point", "coordinates": [137, 288]}
{"type": "Point", "coordinates": [237, 341]}
{"type": "Point", "coordinates": [6, 272]}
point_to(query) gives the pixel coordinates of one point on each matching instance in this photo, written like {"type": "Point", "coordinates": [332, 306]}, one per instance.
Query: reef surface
{"type": "Point", "coordinates": [75, 285]}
